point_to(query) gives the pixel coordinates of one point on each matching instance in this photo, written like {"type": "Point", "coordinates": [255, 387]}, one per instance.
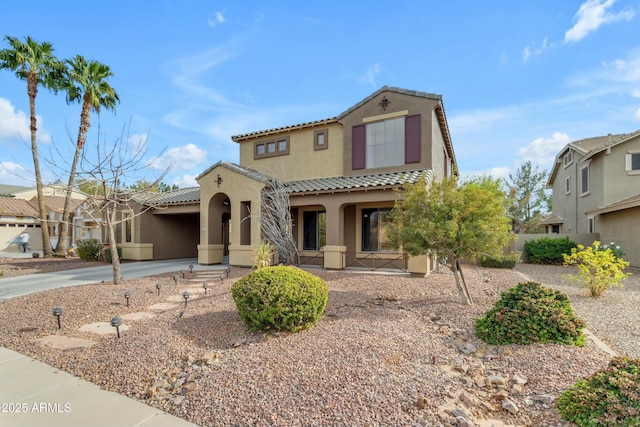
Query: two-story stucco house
{"type": "Point", "coordinates": [341, 174]}
{"type": "Point", "coordinates": [596, 189]}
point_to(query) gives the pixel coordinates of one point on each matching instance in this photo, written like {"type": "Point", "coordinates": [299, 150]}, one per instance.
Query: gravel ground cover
{"type": "Point", "coordinates": [390, 350]}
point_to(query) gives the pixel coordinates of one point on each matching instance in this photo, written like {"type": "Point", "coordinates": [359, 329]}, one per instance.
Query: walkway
{"type": "Point", "coordinates": [36, 394]}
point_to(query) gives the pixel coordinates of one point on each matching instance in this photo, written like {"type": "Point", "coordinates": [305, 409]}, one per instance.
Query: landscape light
{"type": "Point", "coordinates": [175, 279]}
{"type": "Point", "coordinates": [127, 295]}
{"type": "Point", "coordinates": [205, 285]}
{"type": "Point", "coordinates": [57, 311]}
{"type": "Point", "coordinates": [190, 268]}
{"type": "Point", "coordinates": [185, 295]}
{"type": "Point", "coordinates": [158, 286]}
{"type": "Point", "coordinates": [116, 322]}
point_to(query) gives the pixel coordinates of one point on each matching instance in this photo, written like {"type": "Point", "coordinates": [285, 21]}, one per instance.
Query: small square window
{"type": "Point", "coordinates": [277, 147]}
{"type": "Point", "coordinates": [271, 147]}
{"type": "Point", "coordinates": [320, 139]}
{"type": "Point", "coordinates": [260, 149]}
{"type": "Point", "coordinates": [282, 145]}
{"type": "Point", "coordinates": [632, 162]}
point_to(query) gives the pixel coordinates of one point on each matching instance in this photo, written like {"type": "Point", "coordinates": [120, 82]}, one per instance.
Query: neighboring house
{"type": "Point", "coordinates": [596, 189]}
{"type": "Point", "coordinates": [341, 174]}
{"type": "Point", "coordinates": [19, 211]}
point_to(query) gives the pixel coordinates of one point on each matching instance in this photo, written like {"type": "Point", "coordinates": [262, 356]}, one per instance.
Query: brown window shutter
{"type": "Point", "coordinates": [412, 136]}
{"type": "Point", "coordinates": [358, 148]}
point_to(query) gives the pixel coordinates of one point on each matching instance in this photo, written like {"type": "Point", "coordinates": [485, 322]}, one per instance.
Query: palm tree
{"type": "Point", "coordinates": [35, 63]}
{"type": "Point", "coordinates": [86, 82]}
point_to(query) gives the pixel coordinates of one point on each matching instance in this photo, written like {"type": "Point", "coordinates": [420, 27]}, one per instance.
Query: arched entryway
{"type": "Point", "coordinates": [219, 220]}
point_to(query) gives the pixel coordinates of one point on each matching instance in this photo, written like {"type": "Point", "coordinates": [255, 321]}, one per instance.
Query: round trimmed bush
{"type": "Point", "coordinates": [531, 313]}
{"type": "Point", "coordinates": [608, 398]}
{"type": "Point", "coordinates": [280, 298]}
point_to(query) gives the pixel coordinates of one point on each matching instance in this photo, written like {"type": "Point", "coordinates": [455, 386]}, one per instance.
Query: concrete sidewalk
{"type": "Point", "coordinates": [35, 394]}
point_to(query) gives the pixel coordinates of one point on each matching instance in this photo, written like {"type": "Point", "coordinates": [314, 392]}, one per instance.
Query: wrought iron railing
{"type": "Point", "coordinates": [375, 261]}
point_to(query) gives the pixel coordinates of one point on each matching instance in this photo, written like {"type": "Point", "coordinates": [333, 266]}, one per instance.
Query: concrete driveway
{"type": "Point", "coordinates": [18, 286]}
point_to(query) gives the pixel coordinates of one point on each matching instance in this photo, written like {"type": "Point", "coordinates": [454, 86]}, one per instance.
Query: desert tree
{"type": "Point", "coordinates": [85, 82]}
{"type": "Point", "coordinates": [527, 198]}
{"type": "Point", "coordinates": [35, 63]}
{"type": "Point", "coordinates": [113, 202]}
{"type": "Point", "coordinates": [276, 224]}
{"type": "Point", "coordinates": [453, 220]}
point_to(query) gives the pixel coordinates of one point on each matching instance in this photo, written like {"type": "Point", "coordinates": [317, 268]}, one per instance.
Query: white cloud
{"type": "Point", "coordinates": [543, 151]}
{"type": "Point", "coordinates": [186, 181]}
{"type": "Point", "coordinates": [218, 19]}
{"type": "Point", "coordinates": [370, 74]}
{"type": "Point", "coordinates": [504, 59]}
{"type": "Point", "coordinates": [138, 141]}
{"type": "Point", "coordinates": [591, 15]}
{"type": "Point", "coordinates": [636, 116]}
{"type": "Point", "coordinates": [636, 93]}
{"type": "Point", "coordinates": [180, 158]}
{"type": "Point", "coordinates": [501, 172]}
{"type": "Point", "coordinates": [536, 50]}
{"type": "Point", "coordinates": [14, 174]}
{"type": "Point", "coordinates": [13, 124]}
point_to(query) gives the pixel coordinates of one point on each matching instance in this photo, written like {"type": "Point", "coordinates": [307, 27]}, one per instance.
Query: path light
{"type": "Point", "coordinates": [175, 279]}
{"type": "Point", "coordinates": [127, 295]}
{"type": "Point", "coordinates": [228, 269]}
{"type": "Point", "coordinates": [205, 285]}
{"type": "Point", "coordinates": [185, 295]}
{"type": "Point", "coordinates": [183, 274]}
{"type": "Point", "coordinates": [116, 322]}
{"type": "Point", "coordinates": [190, 268]}
{"type": "Point", "coordinates": [158, 286]}
{"type": "Point", "coordinates": [57, 311]}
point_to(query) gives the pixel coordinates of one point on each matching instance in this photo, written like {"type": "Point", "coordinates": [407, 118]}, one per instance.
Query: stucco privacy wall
{"type": "Point", "coordinates": [216, 185]}
{"type": "Point", "coordinates": [616, 227]}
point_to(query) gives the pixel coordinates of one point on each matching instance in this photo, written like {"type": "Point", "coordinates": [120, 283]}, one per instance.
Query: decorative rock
{"type": "Point", "coordinates": [510, 406]}
{"type": "Point", "coordinates": [422, 402]}
{"type": "Point", "coordinates": [544, 398]}
{"type": "Point", "coordinates": [457, 412]}
{"type": "Point", "coordinates": [178, 400]}
{"type": "Point", "coordinates": [434, 317]}
{"type": "Point", "coordinates": [467, 348]}
{"type": "Point", "coordinates": [518, 379]}
{"type": "Point", "coordinates": [463, 422]}
{"type": "Point", "coordinates": [517, 389]}
{"type": "Point", "coordinates": [497, 380]}
{"type": "Point", "coordinates": [469, 400]}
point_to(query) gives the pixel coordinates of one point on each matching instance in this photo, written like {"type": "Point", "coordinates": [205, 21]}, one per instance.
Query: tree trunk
{"type": "Point", "coordinates": [85, 116]}
{"type": "Point", "coordinates": [32, 90]}
{"type": "Point", "coordinates": [115, 259]}
{"type": "Point", "coordinates": [460, 282]}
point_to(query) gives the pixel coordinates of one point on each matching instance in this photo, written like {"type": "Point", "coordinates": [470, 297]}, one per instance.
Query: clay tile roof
{"type": "Point", "coordinates": [10, 206]}
{"type": "Point", "coordinates": [56, 203]}
{"type": "Point", "coordinates": [179, 196]}
{"type": "Point", "coordinates": [342, 183]}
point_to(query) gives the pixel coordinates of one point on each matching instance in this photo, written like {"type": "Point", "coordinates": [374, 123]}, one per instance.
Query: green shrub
{"type": "Point", "coordinates": [107, 254]}
{"type": "Point", "coordinates": [88, 249]}
{"type": "Point", "coordinates": [530, 313]}
{"type": "Point", "coordinates": [608, 398]}
{"type": "Point", "coordinates": [507, 261]}
{"type": "Point", "coordinates": [280, 298]}
{"type": "Point", "coordinates": [547, 250]}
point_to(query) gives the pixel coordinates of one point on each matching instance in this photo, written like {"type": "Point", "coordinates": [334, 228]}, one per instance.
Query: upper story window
{"type": "Point", "coordinates": [632, 162]}
{"type": "Point", "coordinates": [321, 139]}
{"type": "Point", "coordinates": [277, 147]}
{"type": "Point", "coordinates": [584, 180]}
{"type": "Point", "coordinates": [567, 185]}
{"type": "Point", "coordinates": [567, 159]}
{"type": "Point", "coordinates": [387, 142]}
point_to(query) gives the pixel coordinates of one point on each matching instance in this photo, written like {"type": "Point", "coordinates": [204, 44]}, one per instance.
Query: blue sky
{"type": "Point", "coordinates": [519, 80]}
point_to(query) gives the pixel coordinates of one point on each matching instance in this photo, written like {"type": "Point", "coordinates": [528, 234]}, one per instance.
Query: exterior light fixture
{"type": "Point", "coordinates": [158, 286]}
{"type": "Point", "coordinates": [185, 295]}
{"type": "Point", "coordinates": [116, 322]}
{"type": "Point", "coordinates": [175, 279]}
{"type": "Point", "coordinates": [190, 268]}
{"type": "Point", "coordinates": [57, 311]}
{"type": "Point", "coordinates": [127, 295]}
{"type": "Point", "coordinates": [228, 269]}
{"type": "Point", "coordinates": [205, 285]}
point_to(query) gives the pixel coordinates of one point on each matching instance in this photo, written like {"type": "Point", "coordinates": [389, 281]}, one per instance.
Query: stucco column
{"type": "Point", "coordinates": [334, 250]}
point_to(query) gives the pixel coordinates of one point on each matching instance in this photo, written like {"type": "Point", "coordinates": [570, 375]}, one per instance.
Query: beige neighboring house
{"type": "Point", "coordinates": [19, 211]}
{"type": "Point", "coordinates": [596, 189]}
{"type": "Point", "coordinates": [341, 174]}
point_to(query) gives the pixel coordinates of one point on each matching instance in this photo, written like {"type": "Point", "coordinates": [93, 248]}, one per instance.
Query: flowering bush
{"type": "Point", "coordinates": [599, 268]}
{"type": "Point", "coordinates": [615, 249]}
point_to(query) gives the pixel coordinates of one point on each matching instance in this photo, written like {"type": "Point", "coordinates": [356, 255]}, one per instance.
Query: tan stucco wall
{"type": "Point", "coordinates": [622, 228]}
{"type": "Point", "coordinates": [238, 188]}
{"type": "Point", "coordinates": [50, 190]}
{"type": "Point", "coordinates": [619, 184]}
{"type": "Point", "coordinates": [9, 232]}
{"type": "Point", "coordinates": [302, 162]}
